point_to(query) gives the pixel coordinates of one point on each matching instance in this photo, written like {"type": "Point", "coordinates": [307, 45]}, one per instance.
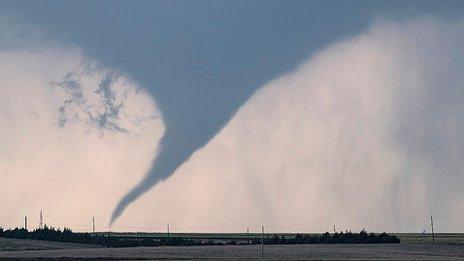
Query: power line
{"type": "Point", "coordinates": [168, 228]}
{"type": "Point", "coordinates": [262, 242]}
{"type": "Point", "coordinates": [41, 220]}
{"type": "Point", "coordinates": [93, 225]}
{"type": "Point", "coordinates": [433, 234]}
{"type": "Point", "coordinates": [30, 222]}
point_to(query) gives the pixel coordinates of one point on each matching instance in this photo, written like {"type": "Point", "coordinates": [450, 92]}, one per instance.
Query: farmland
{"type": "Point", "coordinates": [440, 238]}
{"type": "Point", "coordinates": [413, 246]}
{"type": "Point", "coordinates": [152, 240]}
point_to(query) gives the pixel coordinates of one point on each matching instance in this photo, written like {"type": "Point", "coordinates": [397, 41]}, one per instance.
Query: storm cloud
{"type": "Point", "coordinates": [367, 133]}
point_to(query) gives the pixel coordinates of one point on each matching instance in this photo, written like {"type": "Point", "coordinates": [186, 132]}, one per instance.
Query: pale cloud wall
{"type": "Point", "coordinates": [367, 133]}
{"type": "Point", "coordinates": [73, 136]}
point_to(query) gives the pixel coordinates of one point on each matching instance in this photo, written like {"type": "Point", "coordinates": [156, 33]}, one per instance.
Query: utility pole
{"type": "Point", "coordinates": [262, 242]}
{"type": "Point", "coordinates": [93, 225]}
{"type": "Point", "coordinates": [431, 224]}
{"type": "Point", "coordinates": [334, 230]}
{"type": "Point", "coordinates": [25, 222]}
{"type": "Point", "coordinates": [168, 228]}
{"type": "Point", "coordinates": [41, 220]}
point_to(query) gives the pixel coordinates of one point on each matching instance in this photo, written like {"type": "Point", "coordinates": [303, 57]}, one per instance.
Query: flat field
{"type": "Point", "coordinates": [414, 246]}
{"type": "Point", "coordinates": [440, 238]}
{"type": "Point", "coordinates": [8, 244]}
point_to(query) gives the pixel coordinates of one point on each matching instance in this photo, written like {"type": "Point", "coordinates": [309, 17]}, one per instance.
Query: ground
{"type": "Point", "coordinates": [19, 245]}
{"type": "Point", "coordinates": [414, 247]}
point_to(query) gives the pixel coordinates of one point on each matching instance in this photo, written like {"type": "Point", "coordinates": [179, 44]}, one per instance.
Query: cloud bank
{"type": "Point", "coordinates": [367, 133]}
{"type": "Point", "coordinates": [73, 134]}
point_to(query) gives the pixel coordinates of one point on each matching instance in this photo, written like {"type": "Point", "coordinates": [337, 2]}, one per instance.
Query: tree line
{"type": "Point", "coordinates": [67, 235]}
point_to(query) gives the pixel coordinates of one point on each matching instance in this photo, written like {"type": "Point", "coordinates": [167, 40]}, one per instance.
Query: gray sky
{"type": "Point", "coordinates": [202, 60]}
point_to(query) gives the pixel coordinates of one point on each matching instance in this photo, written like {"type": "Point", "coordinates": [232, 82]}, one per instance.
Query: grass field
{"type": "Point", "coordinates": [8, 244]}
{"type": "Point", "coordinates": [440, 238]}
{"type": "Point", "coordinates": [413, 246]}
{"type": "Point", "coordinates": [406, 238]}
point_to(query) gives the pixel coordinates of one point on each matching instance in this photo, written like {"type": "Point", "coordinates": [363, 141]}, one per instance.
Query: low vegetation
{"type": "Point", "coordinates": [66, 235]}
{"type": "Point", "coordinates": [337, 238]}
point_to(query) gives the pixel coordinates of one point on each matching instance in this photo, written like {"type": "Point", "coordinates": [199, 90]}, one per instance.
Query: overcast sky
{"type": "Point", "coordinates": [202, 60]}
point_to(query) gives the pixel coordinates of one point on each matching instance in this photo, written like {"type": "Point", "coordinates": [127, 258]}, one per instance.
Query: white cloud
{"type": "Point", "coordinates": [74, 136]}
{"type": "Point", "coordinates": [367, 133]}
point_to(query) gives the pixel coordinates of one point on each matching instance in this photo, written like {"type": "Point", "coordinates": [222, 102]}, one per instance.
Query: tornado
{"type": "Point", "coordinates": [166, 162]}
{"type": "Point", "coordinates": [181, 139]}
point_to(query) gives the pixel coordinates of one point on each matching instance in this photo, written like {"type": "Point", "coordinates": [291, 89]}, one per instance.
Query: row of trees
{"type": "Point", "coordinates": [337, 238]}
{"type": "Point", "coordinates": [48, 233]}
{"type": "Point", "coordinates": [66, 235]}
